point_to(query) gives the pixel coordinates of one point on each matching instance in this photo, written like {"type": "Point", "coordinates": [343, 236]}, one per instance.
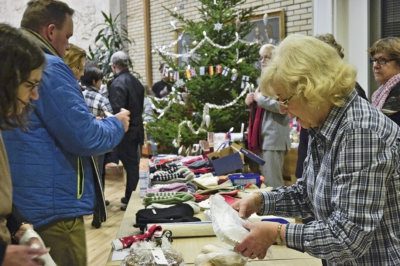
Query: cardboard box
{"type": "Point", "coordinates": [227, 160]}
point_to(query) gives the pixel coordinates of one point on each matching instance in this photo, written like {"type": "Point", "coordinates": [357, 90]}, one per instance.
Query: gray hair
{"type": "Point", "coordinates": [120, 59]}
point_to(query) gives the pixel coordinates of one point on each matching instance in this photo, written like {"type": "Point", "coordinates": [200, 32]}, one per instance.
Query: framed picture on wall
{"type": "Point", "coordinates": [268, 27]}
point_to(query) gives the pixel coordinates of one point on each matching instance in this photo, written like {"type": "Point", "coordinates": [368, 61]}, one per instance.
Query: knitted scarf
{"type": "Point", "coordinates": [380, 95]}
{"type": "Point", "coordinates": [254, 140]}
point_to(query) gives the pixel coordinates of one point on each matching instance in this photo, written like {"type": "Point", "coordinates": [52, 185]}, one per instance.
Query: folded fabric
{"type": "Point", "coordinates": [178, 213]}
{"type": "Point", "coordinates": [199, 164]}
{"type": "Point", "coordinates": [190, 159]}
{"type": "Point", "coordinates": [182, 175]}
{"type": "Point", "coordinates": [207, 180]}
{"type": "Point", "coordinates": [203, 170]}
{"type": "Point", "coordinates": [195, 206]}
{"type": "Point", "coordinates": [167, 198]}
{"type": "Point", "coordinates": [173, 187]}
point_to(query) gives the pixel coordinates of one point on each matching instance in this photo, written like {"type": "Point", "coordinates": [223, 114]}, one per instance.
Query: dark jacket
{"type": "Point", "coordinates": [391, 107]}
{"type": "Point", "coordinates": [127, 92]}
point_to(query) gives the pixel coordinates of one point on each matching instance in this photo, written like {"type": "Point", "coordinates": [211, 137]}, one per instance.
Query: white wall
{"type": "Point", "coordinates": [348, 21]}
{"type": "Point", "coordinates": [87, 17]}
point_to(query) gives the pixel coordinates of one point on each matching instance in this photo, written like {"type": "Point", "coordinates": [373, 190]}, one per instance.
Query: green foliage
{"type": "Point", "coordinates": [112, 37]}
{"type": "Point", "coordinates": [216, 89]}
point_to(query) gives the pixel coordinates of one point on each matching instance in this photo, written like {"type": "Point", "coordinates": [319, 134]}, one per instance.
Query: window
{"type": "Point", "coordinates": [390, 18]}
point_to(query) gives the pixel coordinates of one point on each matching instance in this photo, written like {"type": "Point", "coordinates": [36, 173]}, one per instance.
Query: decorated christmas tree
{"type": "Point", "coordinates": [211, 73]}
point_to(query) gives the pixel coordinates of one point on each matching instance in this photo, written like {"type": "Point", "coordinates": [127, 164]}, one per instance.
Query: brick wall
{"type": "Point", "coordinates": [298, 19]}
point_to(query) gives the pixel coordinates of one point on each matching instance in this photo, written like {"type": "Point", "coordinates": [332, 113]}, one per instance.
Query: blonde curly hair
{"type": "Point", "coordinates": [305, 66]}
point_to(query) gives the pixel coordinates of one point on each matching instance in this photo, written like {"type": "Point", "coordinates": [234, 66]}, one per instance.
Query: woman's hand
{"type": "Point", "coordinates": [249, 98]}
{"type": "Point", "coordinates": [248, 205]}
{"type": "Point", "coordinates": [262, 235]}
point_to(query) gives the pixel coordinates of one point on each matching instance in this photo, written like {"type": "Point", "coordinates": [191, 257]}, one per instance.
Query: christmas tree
{"type": "Point", "coordinates": [210, 75]}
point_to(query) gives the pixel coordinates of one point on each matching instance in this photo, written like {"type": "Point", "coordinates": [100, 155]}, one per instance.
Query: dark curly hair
{"type": "Point", "coordinates": [19, 57]}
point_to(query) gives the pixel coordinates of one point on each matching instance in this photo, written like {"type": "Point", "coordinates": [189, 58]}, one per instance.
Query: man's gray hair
{"type": "Point", "coordinates": [120, 59]}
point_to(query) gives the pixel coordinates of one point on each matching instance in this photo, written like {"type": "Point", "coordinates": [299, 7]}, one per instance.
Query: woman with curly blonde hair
{"type": "Point", "coordinates": [350, 184]}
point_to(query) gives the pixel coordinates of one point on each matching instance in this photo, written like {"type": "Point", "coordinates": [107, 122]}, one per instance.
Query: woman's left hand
{"type": "Point", "coordinates": [261, 236]}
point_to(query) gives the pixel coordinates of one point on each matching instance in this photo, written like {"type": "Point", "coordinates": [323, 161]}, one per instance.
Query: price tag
{"type": "Point", "coordinates": [159, 257]}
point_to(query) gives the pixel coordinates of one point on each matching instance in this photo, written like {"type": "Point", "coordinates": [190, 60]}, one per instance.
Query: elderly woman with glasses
{"type": "Point", "coordinates": [268, 131]}
{"type": "Point", "coordinates": [385, 58]}
{"type": "Point", "coordinates": [351, 180]}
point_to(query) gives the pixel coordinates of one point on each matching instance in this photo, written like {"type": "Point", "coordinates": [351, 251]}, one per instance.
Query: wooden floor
{"type": "Point", "coordinates": [99, 240]}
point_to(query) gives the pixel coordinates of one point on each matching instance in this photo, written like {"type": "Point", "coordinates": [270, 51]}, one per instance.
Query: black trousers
{"type": "Point", "coordinates": [129, 154]}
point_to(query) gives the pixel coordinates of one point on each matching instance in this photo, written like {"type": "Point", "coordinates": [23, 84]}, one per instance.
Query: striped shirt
{"type": "Point", "coordinates": [97, 103]}
{"type": "Point", "coordinates": [351, 186]}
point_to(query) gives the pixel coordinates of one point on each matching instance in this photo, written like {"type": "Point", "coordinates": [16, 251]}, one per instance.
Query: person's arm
{"type": "Point", "coordinates": [267, 103]}
{"type": "Point", "coordinates": [363, 166]}
{"type": "Point", "coordinates": [117, 96]}
{"type": "Point", "coordinates": [62, 110]}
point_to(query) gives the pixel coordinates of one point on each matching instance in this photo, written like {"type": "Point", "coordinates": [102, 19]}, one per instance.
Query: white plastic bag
{"type": "Point", "coordinates": [227, 224]}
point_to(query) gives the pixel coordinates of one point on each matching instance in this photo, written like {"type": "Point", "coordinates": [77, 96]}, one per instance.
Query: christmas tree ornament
{"type": "Point", "coordinates": [180, 150]}
{"type": "Point", "coordinates": [218, 26]}
{"type": "Point", "coordinates": [225, 72]}
{"type": "Point", "coordinates": [193, 72]}
{"type": "Point", "coordinates": [265, 19]}
{"type": "Point", "coordinates": [218, 69]}
{"type": "Point", "coordinates": [188, 73]}
{"type": "Point", "coordinates": [175, 143]}
{"type": "Point", "coordinates": [176, 75]}
{"type": "Point", "coordinates": [234, 75]}
{"type": "Point", "coordinates": [202, 71]}
{"type": "Point", "coordinates": [238, 23]}
{"type": "Point", "coordinates": [207, 120]}
{"type": "Point", "coordinates": [211, 70]}
{"type": "Point", "coordinates": [245, 81]}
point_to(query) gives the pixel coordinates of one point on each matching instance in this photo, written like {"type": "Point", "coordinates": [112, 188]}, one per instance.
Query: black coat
{"type": "Point", "coordinates": [127, 92]}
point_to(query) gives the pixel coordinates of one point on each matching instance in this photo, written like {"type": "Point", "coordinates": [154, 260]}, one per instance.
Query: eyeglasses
{"type": "Point", "coordinates": [286, 101]}
{"type": "Point", "coordinates": [32, 85]}
{"type": "Point", "coordinates": [381, 61]}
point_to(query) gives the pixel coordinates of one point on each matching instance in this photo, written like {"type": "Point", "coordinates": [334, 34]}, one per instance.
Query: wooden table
{"type": "Point", "coordinates": [190, 247]}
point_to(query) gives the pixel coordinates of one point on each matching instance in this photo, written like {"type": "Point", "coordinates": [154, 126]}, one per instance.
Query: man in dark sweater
{"type": "Point", "coordinates": [126, 92]}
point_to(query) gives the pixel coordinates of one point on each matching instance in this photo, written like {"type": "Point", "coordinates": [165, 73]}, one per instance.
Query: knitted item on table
{"type": "Point", "coordinates": [167, 198]}
{"type": "Point", "coordinates": [169, 167]}
{"type": "Point", "coordinates": [173, 187]}
{"type": "Point", "coordinates": [206, 180]}
{"type": "Point", "coordinates": [195, 206]}
{"type": "Point", "coordinates": [203, 170]}
{"type": "Point", "coordinates": [199, 164]}
{"type": "Point", "coordinates": [182, 175]}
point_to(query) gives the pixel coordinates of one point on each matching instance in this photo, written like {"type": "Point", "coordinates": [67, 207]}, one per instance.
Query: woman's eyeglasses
{"type": "Point", "coordinates": [381, 61]}
{"type": "Point", "coordinates": [32, 85]}
{"type": "Point", "coordinates": [286, 101]}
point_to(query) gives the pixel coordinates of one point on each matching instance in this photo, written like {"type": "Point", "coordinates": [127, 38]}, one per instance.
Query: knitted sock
{"type": "Point", "coordinates": [167, 197]}
{"type": "Point", "coordinates": [182, 175]}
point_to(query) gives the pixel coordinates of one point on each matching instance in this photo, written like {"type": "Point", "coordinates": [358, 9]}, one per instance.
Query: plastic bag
{"type": "Point", "coordinates": [219, 256]}
{"type": "Point", "coordinates": [227, 224]}
{"type": "Point", "coordinates": [146, 253]}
